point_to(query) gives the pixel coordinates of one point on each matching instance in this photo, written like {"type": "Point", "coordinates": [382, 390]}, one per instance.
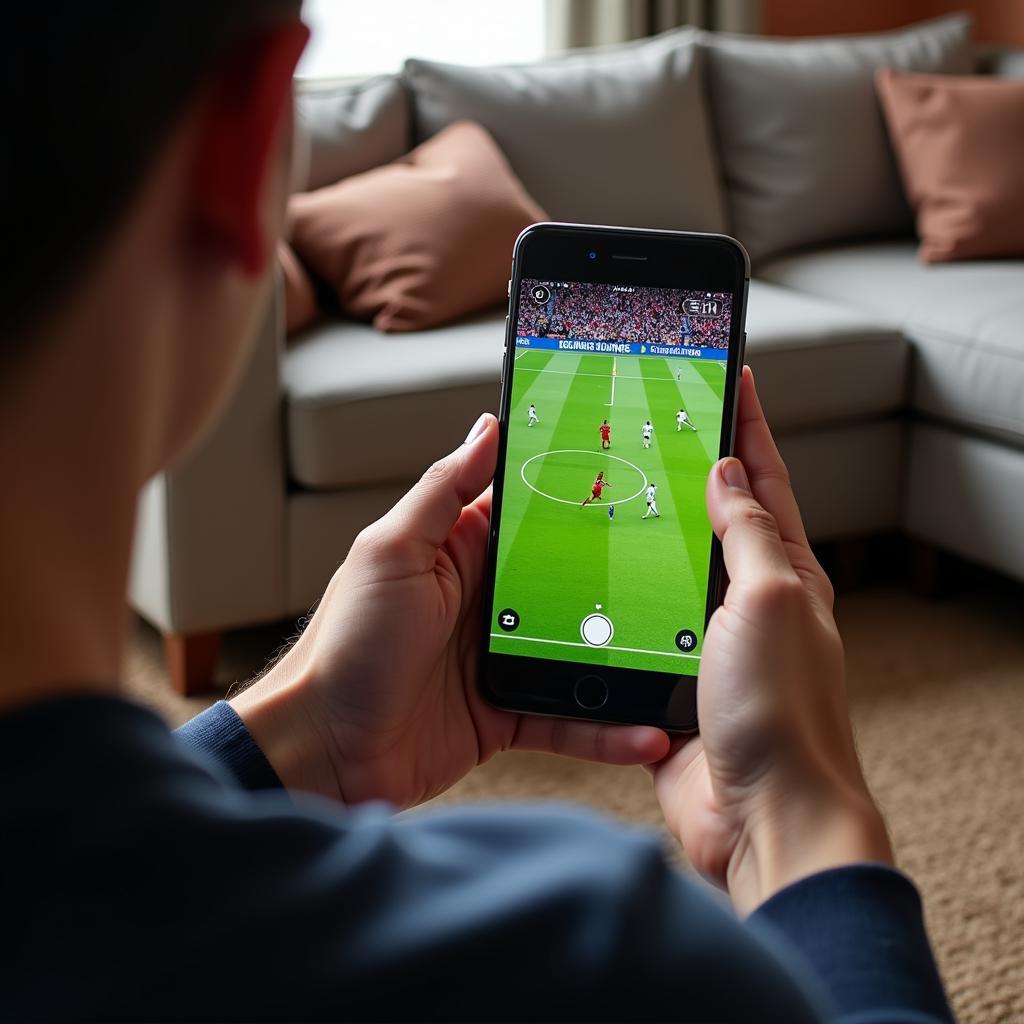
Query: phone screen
{"type": "Point", "coordinates": [614, 420]}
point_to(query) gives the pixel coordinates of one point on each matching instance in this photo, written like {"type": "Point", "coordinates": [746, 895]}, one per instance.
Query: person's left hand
{"type": "Point", "coordinates": [378, 699]}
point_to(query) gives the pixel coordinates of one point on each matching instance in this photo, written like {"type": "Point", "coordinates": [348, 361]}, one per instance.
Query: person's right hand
{"type": "Point", "coordinates": [772, 790]}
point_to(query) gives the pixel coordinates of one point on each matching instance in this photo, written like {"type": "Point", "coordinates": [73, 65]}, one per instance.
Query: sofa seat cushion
{"type": "Point", "coordinates": [818, 363]}
{"type": "Point", "coordinates": [364, 408]}
{"type": "Point", "coordinates": [963, 321]}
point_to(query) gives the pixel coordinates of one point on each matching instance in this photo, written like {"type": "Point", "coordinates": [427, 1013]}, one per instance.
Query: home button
{"type": "Point", "coordinates": [591, 693]}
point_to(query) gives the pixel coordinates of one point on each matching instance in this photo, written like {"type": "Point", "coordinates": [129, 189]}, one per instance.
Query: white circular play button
{"type": "Point", "coordinates": [596, 630]}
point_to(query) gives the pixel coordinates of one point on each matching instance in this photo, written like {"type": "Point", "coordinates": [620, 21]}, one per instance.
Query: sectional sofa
{"type": "Point", "coordinates": [896, 389]}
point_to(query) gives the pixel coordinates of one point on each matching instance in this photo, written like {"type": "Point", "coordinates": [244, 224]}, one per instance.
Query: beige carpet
{"type": "Point", "coordinates": [937, 691]}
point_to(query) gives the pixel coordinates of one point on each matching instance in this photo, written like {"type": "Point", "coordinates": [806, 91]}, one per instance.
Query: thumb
{"type": "Point", "coordinates": [424, 517]}
{"type": "Point", "coordinates": [751, 544]}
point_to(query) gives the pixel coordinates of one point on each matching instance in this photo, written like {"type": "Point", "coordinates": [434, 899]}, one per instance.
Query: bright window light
{"type": "Point", "coordinates": [354, 38]}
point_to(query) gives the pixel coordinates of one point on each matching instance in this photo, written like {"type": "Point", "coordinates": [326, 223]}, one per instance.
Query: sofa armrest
{"type": "Point", "coordinates": [210, 533]}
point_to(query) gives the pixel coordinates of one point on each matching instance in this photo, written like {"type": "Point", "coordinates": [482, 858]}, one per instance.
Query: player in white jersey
{"type": "Point", "coordinates": [646, 430]}
{"type": "Point", "coordinates": [683, 420]}
{"type": "Point", "coordinates": [652, 505]}
{"type": "Point", "coordinates": [534, 418]}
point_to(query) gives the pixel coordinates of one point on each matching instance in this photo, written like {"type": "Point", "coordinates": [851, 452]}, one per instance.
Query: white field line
{"type": "Point", "coordinates": [615, 373]}
{"type": "Point", "coordinates": [585, 373]}
{"type": "Point", "coordinates": [570, 643]}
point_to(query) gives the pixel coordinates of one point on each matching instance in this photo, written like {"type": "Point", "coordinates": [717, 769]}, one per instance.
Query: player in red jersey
{"type": "Point", "coordinates": [595, 492]}
{"type": "Point", "coordinates": [606, 435]}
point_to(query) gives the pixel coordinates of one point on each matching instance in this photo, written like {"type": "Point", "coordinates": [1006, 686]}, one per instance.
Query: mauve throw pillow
{"type": "Point", "coordinates": [300, 308]}
{"type": "Point", "coordinates": [421, 241]}
{"type": "Point", "coordinates": [960, 146]}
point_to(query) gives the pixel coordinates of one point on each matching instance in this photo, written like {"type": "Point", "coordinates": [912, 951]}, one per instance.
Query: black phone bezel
{"type": "Point", "coordinates": [671, 259]}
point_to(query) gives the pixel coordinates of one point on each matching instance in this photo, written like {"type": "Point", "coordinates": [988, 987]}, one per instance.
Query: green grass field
{"type": "Point", "coordinates": [558, 562]}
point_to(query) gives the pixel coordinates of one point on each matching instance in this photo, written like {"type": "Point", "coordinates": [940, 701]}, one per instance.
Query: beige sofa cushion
{"type": "Point", "coordinates": [803, 145]}
{"type": "Point", "coordinates": [611, 136]}
{"type": "Point", "coordinates": [346, 129]}
{"type": "Point", "coordinates": [818, 363]}
{"type": "Point", "coordinates": [962, 319]}
{"type": "Point", "coordinates": [367, 409]}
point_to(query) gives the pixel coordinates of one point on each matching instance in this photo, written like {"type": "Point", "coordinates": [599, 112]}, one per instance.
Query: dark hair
{"type": "Point", "coordinates": [92, 88]}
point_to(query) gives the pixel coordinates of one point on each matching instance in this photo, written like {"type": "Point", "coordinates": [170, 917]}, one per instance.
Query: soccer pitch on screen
{"type": "Point", "coordinates": [559, 563]}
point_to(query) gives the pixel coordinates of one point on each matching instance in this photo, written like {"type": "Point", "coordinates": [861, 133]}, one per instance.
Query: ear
{"type": "Point", "coordinates": [243, 140]}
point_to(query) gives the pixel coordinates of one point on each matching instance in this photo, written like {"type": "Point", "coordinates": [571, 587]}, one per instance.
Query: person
{"type": "Point", "coordinates": [645, 432]}
{"type": "Point", "coordinates": [251, 866]}
{"type": "Point", "coordinates": [652, 505]}
{"type": "Point", "coordinates": [683, 420]}
{"type": "Point", "coordinates": [595, 491]}
{"type": "Point", "coordinates": [532, 416]}
{"type": "Point", "coordinates": [606, 435]}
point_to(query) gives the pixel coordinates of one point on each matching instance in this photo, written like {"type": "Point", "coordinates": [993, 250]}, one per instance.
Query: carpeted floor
{"type": "Point", "coordinates": [937, 693]}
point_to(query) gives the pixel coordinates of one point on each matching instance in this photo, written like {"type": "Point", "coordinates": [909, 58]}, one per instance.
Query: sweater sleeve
{"type": "Point", "coordinates": [219, 733]}
{"type": "Point", "coordinates": [855, 935]}
{"type": "Point", "coordinates": [861, 930]}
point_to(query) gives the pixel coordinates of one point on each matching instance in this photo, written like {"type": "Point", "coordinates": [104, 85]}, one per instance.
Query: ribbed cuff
{"type": "Point", "coordinates": [219, 733]}
{"type": "Point", "coordinates": [861, 929]}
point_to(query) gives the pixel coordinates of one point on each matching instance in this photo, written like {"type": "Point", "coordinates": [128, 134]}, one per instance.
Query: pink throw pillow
{"type": "Point", "coordinates": [421, 241]}
{"type": "Point", "coordinates": [960, 145]}
{"type": "Point", "coordinates": [300, 307]}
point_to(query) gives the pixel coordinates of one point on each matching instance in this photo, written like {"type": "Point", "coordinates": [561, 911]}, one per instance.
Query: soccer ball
{"type": "Point", "coordinates": [611, 511]}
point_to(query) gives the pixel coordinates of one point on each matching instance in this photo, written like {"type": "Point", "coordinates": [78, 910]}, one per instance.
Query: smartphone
{"type": "Point", "coordinates": [622, 360]}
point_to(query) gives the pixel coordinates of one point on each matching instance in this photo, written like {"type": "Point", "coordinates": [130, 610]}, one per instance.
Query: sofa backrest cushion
{"type": "Point", "coordinates": [609, 136]}
{"type": "Point", "coordinates": [347, 129]}
{"type": "Point", "coordinates": [804, 149]}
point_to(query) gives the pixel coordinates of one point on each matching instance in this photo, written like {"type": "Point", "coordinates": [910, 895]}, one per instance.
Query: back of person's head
{"type": "Point", "coordinates": [93, 89]}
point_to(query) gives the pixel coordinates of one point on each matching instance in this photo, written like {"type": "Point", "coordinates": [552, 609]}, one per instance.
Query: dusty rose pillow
{"type": "Point", "coordinates": [960, 145]}
{"type": "Point", "coordinates": [300, 307]}
{"type": "Point", "coordinates": [421, 241]}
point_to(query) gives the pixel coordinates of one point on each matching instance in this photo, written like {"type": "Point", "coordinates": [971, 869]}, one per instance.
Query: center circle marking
{"type": "Point", "coordinates": [581, 451]}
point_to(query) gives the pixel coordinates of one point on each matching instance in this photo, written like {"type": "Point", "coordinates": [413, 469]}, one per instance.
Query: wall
{"type": "Point", "coordinates": [995, 21]}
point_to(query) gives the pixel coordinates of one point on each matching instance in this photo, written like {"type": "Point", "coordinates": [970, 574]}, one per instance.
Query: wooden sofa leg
{"type": "Point", "coordinates": [192, 660]}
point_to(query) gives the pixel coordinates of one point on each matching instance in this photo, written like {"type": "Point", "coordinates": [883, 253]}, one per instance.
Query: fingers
{"type": "Point", "coordinates": [467, 544]}
{"type": "Point", "coordinates": [592, 741]}
{"type": "Point", "coordinates": [749, 534]}
{"type": "Point", "coordinates": [769, 478]}
{"type": "Point", "coordinates": [768, 481]}
{"type": "Point", "coordinates": [422, 520]}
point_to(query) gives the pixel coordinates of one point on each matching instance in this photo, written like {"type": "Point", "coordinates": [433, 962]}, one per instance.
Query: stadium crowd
{"type": "Point", "coordinates": [602, 312]}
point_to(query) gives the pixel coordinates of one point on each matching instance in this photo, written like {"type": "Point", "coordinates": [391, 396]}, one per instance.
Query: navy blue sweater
{"type": "Point", "coordinates": [152, 876]}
